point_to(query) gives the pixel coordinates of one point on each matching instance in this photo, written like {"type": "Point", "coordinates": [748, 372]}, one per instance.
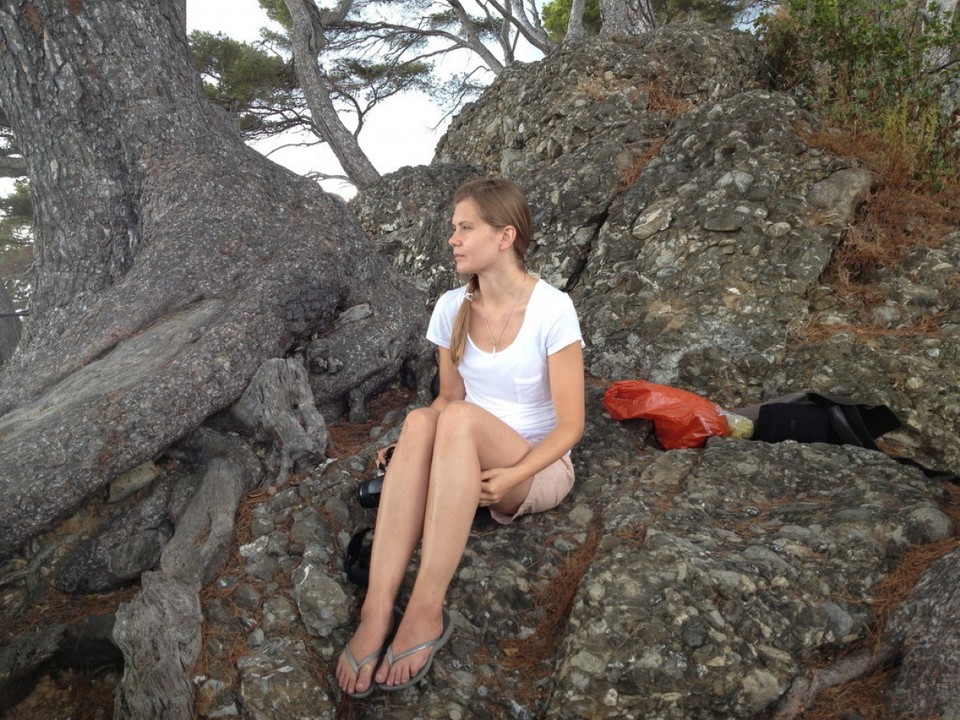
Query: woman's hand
{"type": "Point", "coordinates": [496, 483]}
{"type": "Point", "coordinates": [383, 457]}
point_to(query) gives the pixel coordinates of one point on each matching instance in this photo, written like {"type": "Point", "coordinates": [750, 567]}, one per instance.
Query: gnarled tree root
{"type": "Point", "coordinates": [807, 686]}
{"type": "Point", "coordinates": [159, 632]}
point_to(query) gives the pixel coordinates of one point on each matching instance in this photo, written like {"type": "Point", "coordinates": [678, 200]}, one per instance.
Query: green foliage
{"type": "Point", "coordinates": [17, 207]}
{"type": "Point", "coordinates": [378, 50]}
{"type": "Point", "coordinates": [718, 12]}
{"type": "Point", "coordinates": [556, 14]}
{"type": "Point", "coordinates": [878, 65]}
{"type": "Point", "coordinates": [16, 248]}
{"type": "Point", "coordinates": [244, 80]}
{"type": "Point", "coordinates": [556, 17]}
{"type": "Point", "coordinates": [277, 11]}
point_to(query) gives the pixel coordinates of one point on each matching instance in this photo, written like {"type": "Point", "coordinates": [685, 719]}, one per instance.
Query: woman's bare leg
{"type": "Point", "coordinates": [398, 528]}
{"type": "Point", "coordinates": [468, 438]}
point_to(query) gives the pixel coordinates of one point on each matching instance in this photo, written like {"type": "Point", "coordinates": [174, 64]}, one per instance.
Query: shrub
{"type": "Point", "coordinates": [886, 67]}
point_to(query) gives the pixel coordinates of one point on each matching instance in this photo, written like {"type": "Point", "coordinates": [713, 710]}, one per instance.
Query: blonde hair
{"type": "Point", "coordinates": [500, 203]}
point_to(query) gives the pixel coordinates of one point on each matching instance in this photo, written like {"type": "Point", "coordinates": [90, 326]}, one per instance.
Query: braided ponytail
{"type": "Point", "coordinates": [458, 337]}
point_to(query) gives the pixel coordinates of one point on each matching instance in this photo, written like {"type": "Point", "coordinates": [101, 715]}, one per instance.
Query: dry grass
{"type": "Point", "coordinates": [664, 98]}
{"type": "Point", "coordinates": [62, 609]}
{"type": "Point", "coordinates": [630, 175]}
{"type": "Point", "coordinates": [663, 500]}
{"type": "Point", "coordinates": [69, 695]}
{"type": "Point", "coordinates": [661, 95]}
{"type": "Point", "coordinates": [895, 587]}
{"type": "Point", "coordinates": [594, 88]}
{"type": "Point", "coordinates": [862, 698]}
{"type": "Point", "coordinates": [347, 438]}
{"type": "Point", "coordinates": [903, 213]}
{"type": "Point", "coordinates": [554, 600]}
{"type": "Point", "coordinates": [813, 331]}
{"type": "Point", "coordinates": [633, 534]}
{"type": "Point", "coordinates": [751, 522]}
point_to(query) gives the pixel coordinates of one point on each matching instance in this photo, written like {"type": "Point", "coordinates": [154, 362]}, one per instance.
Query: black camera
{"type": "Point", "coordinates": [368, 492]}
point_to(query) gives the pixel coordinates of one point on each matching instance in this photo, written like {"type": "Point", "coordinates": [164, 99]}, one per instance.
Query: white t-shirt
{"type": "Point", "coordinates": [514, 383]}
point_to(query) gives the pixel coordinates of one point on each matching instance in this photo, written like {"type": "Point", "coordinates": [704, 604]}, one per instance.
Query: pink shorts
{"type": "Point", "coordinates": [549, 487]}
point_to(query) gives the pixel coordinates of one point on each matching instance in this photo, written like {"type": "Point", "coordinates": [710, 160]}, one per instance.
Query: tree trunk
{"type": "Point", "coordinates": [532, 30]}
{"type": "Point", "coordinates": [160, 634]}
{"type": "Point", "coordinates": [473, 40]}
{"type": "Point", "coordinates": [172, 260]}
{"type": "Point", "coordinates": [627, 17]}
{"type": "Point", "coordinates": [575, 32]}
{"type": "Point", "coordinates": [306, 36]}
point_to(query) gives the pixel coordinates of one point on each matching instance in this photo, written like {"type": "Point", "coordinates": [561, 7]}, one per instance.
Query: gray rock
{"type": "Point", "coordinates": [277, 683]}
{"type": "Point", "coordinates": [321, 600]}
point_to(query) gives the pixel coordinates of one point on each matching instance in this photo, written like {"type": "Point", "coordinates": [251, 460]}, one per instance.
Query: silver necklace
{"type": "Point", "coordinates": [496, 342]}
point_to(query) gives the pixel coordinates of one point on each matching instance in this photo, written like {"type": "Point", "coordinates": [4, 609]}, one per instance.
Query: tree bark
{"type": "Point", "coordinates": [306, 35]}
{"type": "Point", "coordinates": [627, 17]}
{"type": "Point", "coordinates": [278, 406]}
{"type": "Point", "coordinates": [575, 32]}
{"type": "Point", "coordinates": [473, 41]}
{"type": "Point", "coordinates": [515, 13]}
{"type": "Point", "coordinates": [159, 631]}
{"type": "Point", "coordinates": [172, 259]}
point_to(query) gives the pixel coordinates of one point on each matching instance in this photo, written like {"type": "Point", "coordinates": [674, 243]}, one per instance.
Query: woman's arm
{"type": "Point", "coordinates": [567, 393]}
{"type": "Point", "coordinates": [451, 384]}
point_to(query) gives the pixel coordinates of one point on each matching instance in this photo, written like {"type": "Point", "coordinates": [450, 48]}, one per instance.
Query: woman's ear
{"type": "Point", "coordinates": [507, 236]}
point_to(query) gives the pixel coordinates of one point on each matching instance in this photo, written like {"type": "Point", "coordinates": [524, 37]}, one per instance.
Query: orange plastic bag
{"type": "Point", "coordinates": [680, 419]}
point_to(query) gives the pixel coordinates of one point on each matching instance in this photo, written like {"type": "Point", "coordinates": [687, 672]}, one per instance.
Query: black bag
{"type": "Point", "coordinates": [357, 561]}
{"type": "Point", "coordinates": [817, 417]}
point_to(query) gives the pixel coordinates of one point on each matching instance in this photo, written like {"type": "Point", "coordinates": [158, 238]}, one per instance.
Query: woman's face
{"type": "Point", "coordinates": [476, 244]}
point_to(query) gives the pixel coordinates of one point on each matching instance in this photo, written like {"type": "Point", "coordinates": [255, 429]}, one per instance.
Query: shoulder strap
{"type": "Point", "coordinates": [868, 421]}
{"type": "Point", "coordinates": [849, 427]}
{"type": "Point", "coordinates": [357, 560]}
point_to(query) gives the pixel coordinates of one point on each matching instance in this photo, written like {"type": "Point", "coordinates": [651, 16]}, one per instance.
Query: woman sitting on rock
{"type": "Point", "coordinates": [499, 434]}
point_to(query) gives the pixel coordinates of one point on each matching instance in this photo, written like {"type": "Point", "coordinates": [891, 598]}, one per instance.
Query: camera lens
{"type": "Point", "coordinates": [368, 492]}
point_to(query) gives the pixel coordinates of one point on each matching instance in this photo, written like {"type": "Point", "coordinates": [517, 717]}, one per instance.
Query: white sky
{"type": "Point", "coordinates": [397, 133]}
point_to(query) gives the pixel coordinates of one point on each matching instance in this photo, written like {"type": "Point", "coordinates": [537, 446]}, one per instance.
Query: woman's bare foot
{"type": "Point", "coordinates": [366, 647]}
{"type": "Point", "coordinates": [417, 627]}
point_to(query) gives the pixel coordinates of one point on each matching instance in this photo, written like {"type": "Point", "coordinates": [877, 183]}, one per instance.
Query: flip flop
{"type": "Point", "coordinates": [356, 665]}
{"type": "Point", "coordinates": [433, 645]}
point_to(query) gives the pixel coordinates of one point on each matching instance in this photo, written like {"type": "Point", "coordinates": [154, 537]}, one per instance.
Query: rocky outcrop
{"type": "Point", "coordinates": [678, 203]}
{"type": "Point", "coordinates": [675, 584]}
{"type": "Point", "coordinates": [693, 224]}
